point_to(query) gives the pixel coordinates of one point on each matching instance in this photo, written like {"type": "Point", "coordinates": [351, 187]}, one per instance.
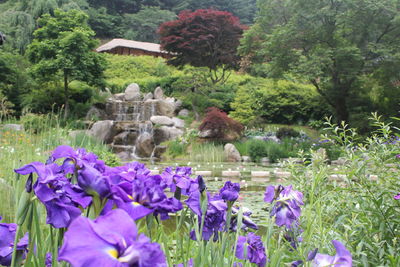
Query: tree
{"type": "Point", "coordinates": [143, 25]}
{"type": "Point", "coordinates": [63, 47]}
{"type": "Point", "coordinates": [331, 43]}
{"type": "Point", "coordinates": [203, 38]}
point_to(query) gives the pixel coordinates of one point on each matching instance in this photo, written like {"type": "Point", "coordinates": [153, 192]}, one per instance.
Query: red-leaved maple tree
{"type": "Point", "coordinates": [220, 126]}
{"type": "Point", "coordinates": [203, 38]}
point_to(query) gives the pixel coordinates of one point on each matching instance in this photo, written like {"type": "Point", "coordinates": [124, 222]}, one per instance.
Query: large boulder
{"type": "Point", "coordinates": [164, 133]}
{"type": "Point", "coordinates": [125, 138]}
{"type": "Point", "coordinates": [162, 120]}
{"type": "Point", "coordinates": [183, 113]}
{"type": "Point", "coordinates": [178, 123]}
{"type": "Point", "coordinates": [165, 108]}
{"type": "Point", "coordinates": [231, 153]}
{"type": "Point", "coordinates": [144, 145]}
{"type": "Point", "coordinates": [159, 93]}
{"type": "Point", "coordinates": [103, 131]}
{"type": "Point", "coordinates": [158, 151]}
{"type": "Point", "coordinates": [148, 96]}
{"type": "Point", "coordinates": [132, 92]}
{"type": "Point", "coordinates": [120, 97]}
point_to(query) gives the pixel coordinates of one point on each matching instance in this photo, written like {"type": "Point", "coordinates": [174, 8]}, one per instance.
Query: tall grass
{"type": "Point", "coordinates": [206, 152]}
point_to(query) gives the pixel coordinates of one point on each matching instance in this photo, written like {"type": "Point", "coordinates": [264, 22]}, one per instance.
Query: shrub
{"type": "Point", "coordinates": [257, 149]}
{"type": "Point", "coordinates": [220, 125]}
{"type": "Point", "coordinates": [266, 100]}
{"type": "Point", "coordinates": [286, 132]}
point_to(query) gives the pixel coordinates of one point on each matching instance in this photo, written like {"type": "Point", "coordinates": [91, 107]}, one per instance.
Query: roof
{"type": "Point", "coordinates": [151, 47]}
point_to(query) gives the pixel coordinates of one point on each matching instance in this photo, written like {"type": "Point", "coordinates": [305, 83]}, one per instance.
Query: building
{"type": "Point", "coordinates": [135, 48]}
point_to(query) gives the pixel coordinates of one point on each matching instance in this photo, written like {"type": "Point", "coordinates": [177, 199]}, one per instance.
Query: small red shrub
{"type": "Point", "coordinates": [220, 125]}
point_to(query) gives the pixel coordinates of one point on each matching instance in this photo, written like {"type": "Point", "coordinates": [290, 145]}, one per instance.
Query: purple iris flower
{"type": "Point", "coordinates": [397, 197]}
{"type": "Point", "coordinates": [230, 191]}
{"type": "Point", "coordinates": [287, 204]}
{"type": "Point", "coordinates": [7, 236]}
{"type": "Point", "coordinates": [215, 218]}
{"type": "Point", "coordinates": [142, 196]}
{"type": "Point", "coordinates": [189, 264]}
{"type": "Point", "coordinates": [180, 177]}
{"type": "Point", "coordinates": [61, 198]}
{"type": "Point", "coordinates": [246, 220]}
{"type": "Point", "coordinates": [342, 258]}
{"type": "Point", "coordinates": [49, 260]}
{"type": "Point", "coordinates": [110, 240]}
{"type": "Point", "coordinates": [255, 249]}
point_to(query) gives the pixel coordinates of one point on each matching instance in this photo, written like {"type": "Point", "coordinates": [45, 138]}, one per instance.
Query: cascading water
{"type": "Point", "coordinates": [139, 127]}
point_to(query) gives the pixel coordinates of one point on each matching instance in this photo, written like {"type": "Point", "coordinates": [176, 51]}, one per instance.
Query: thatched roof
{"type": "Point", "coordinates": [150, 47]}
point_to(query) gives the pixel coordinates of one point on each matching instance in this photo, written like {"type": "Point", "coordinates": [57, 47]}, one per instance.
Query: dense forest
{"type": "Point", "coordinates": [131, 19]}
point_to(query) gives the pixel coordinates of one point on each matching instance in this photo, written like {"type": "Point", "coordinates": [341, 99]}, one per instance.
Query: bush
{"type": "Point", "coordinates": [257, 149]}
{"type": "Point", "coordinates": [269, 101]}
{"type": "Point", "coordinates": [286, 132]}
{"type": "Point", "coordinates": [221, 126]}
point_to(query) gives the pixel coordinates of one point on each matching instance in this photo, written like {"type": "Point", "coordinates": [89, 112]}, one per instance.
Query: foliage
{"type": "Point", "coordinates": [284, 132]}
{"type": "Point", "coordinates": [14, 79]}
{"type": "Point", "coordinates": [281, 101]}
{"type": "Point", "coordinates": [63, 48]}
{"type": "Point", "coordinates": [220, 125]}
{"type": "Point", "coordinates": [6, 107]}
{"type": "Point", "coordinates": [244, 9]}
{"type": "Point", "coordinates": [330, 43]}
{"type": "Point", "coordinates": [203, 38]}
{"type": "Point", "coordinates": [37, 123]}
{"type": "Point", "coordinates": [143, 26]}
{"type": "Point", "coordinates": [257, 149]}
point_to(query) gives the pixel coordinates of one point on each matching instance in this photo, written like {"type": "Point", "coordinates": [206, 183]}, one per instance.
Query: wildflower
{"type": "Point", "coordinates": [230, 191]}
{"type": "Point", "coordinates": [341, 259]}
{"type": "Point", "coordinates": [110, 240]}
{"type": "Point", "coordinates": [397, 197]}
{"type": "Point", "coordinates": [255, 249]}
{"type": "Point", "coordinates": [287, 204]}
{"type": "Point", "coordinates": [7, 236]}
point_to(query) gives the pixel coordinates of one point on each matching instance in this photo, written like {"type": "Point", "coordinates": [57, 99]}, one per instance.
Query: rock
{"type": "Point", "coordinates": [144, 145]}
{"type": "Point", "coordinates": [184, 113]}
{"type": "Point", "coordinates": [132, 92]}
{"type": "Point", "coordinates": [95, 114]}
{"type": "Point", "coordinates": [125, 138]}
{"type": "Point", "coordinates": [178, 104]}
{"type": "Point", "coordinates": [231, 153]}
{"type": "Point", "coordinates": [158, 151]}
{"type": "Point", "coordinates": [13, 127]}
{"type": "Point", "coordinates": [148, 96]}
{"type": "Point", "coordinates": [170, 100]}
{"type": "Point", "coordinates": [124, 156]}
{"type": "Point", "coordinates": [162, 120]}
{"type": "Point", "coordinates": [120, 96]}
{"type": "Point", "coordinates": [264, 161]}
{"type": "Point", "coordinates": [164, 108]}
{"type": "Point", "coordinates": [158, 93]}
{"type": "Point", "coordinates": [178, 123]}
{"type": "Point", "coordinates": [103, 131]}
{"type": "Point", "coordinates": [230, 173]}
{"type": "Point", "coordinates": [246, 159]}
{"type": "Point", "coordinates": [164, 133]}
{"type": "Point", "coordinates": [206, 134]}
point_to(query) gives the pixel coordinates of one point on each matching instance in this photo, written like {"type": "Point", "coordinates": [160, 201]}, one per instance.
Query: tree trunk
{"type": "Point", "coordinates": [342, 113]}
{"type": "Point", "coordinates": [66, 96]}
